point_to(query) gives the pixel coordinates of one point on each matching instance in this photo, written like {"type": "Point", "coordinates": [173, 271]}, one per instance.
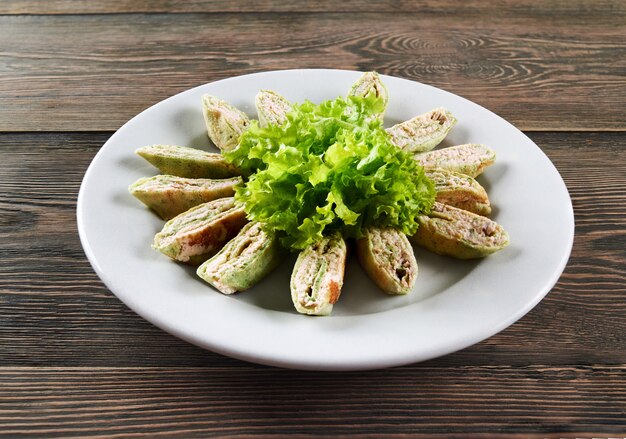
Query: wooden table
{"type": "Point", "coordinates": [74, 361]}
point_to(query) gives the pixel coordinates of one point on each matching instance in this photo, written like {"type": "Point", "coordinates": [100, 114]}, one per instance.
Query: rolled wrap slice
{"type": "Point", "coordinates": [244, 261]}
{"type": "Point", "coordinates": [387, 257]}
{"type": "Point", "coordinates": [187, 162]}
{"type": "Point", "coordinates": [169, 195]}
{"type": "Point", "coordinates": [454, 232]}
{"type": "Point", "coordinates": [459, 190]}
{"type": "Point", "coordinates": [317, 276]}
{"type": "Point", "coordinates": [224, 123]}
{"type": "Point", "coordinates": [469, 159]}
{"type": "Point", "coordinates": [423, 132]}
{"type": "Point", "coordinates": [367, 83]}
{"type": "Point", "coordinates": [272, 108]}
{"type": "Point", "coordinates": [197, 234]}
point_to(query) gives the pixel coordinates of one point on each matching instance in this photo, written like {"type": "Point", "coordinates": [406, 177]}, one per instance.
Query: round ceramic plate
{"type": "Point", "coordinates": [454, 304]}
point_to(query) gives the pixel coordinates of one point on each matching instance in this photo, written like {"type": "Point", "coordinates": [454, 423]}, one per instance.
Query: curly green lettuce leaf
{"type": "Point", "coordinates": [329, 167]}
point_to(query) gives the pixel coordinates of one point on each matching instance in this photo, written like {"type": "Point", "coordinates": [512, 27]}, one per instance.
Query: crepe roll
{"type": "Point", "coordinates": [370, 82]}
{"type": "Point", "coordinates": [244, 261]}
{"type": "Point", "coordinates": [224, 123]}
{"type": "Point", "coordinates": [423, 132]}
{"type": "Point", "coordinates": [387, 257]}
{"type": "Point", "coordinates": [317, 276]}
{"type": "Point", "coordinates": [197, 234]}
{"type": "Point", "coordinates": [459, 190]}
{"type": "Point", "coordinates": [169, 195]}
{"type": "Point", "coordinates": [272, 108]}
{"type": "Point", "coordinates": [450, 231]}
{"type": "Point", "coordinates": [469, 159]}
{"type": "Point", "coordinates": [181, 161]}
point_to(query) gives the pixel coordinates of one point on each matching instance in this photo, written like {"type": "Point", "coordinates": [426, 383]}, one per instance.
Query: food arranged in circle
{"type": "Point", "coordinates": [309, 178]}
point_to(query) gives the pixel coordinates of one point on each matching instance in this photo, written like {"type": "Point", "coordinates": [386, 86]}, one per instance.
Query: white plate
{"type": "Point", "coordinates": [454, 303]}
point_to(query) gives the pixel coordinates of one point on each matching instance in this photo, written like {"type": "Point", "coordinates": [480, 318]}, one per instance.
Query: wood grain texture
{"type": "Point", "coordinates": [460, 402]}
{"type": "Point", "coordinates": [55, 311]}
{"type": "Point", "coordinates": [506, 7]}
{"type": "Point", "coordinates": [541, 72]}
{"type": "Point", "coordinates": [76, 362]}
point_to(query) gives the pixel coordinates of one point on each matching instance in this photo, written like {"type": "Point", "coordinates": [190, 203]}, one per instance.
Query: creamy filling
{"type": "Point", "coordinates": [391, 253]}
{"type": "Point", "coordinates": [463, 225]}
{"type": "Point", "coordinates": [177, 152]}
{"type": "Point", "coordinates": [238, 252]}
{"type": "Point", "coordinates": [445, 180]}
{"type": "Point", "coordinates": [421, 128]}
{"type": "Point", "coordinates": [232, 119]}
{"type": "Point", "coordinates": [320, 274]}
{"type": "Point", "coordinates": [162, 183]}
{"type": "Point", "coordinates": [196, 218]}
{"type": "Point", "coordinates": [191, 246]}
{"type": "Point", "coordinates": [469, 155]}
{"type": "Point", "coordinates": [274, 107]}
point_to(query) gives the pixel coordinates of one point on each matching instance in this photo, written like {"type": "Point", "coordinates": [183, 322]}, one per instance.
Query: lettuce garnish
{"type": "Point", "coordinates": [329, 167]}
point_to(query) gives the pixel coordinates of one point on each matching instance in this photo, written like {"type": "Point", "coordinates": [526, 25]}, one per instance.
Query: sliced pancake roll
{"type": "Point", "coordinates": [387, 257]}
{"type": "Point", "coordinates": [423, 132]}
{"type": "Point", "coordinates": [187, 162]}
{"type": "Point", "coordinates": [317, 276]}
{"type": "Point", "coordinates": [450, 231]}
{"type": "Point", "coordinates": [169, 195]}
{"type": "Point", "coordinates": [469, 159]}
{"type": "Point", "coordinates": [370, 82]}
{"type": "Point", "coordinates": [459, 190]}
{"type": "Point", "coordinates": [197, 234]}
{"type": "Point", "coordinates": [224, 123]}
{"type": "Point", "coordinates": [272, 108]}
{"type": "Point", "coordinates": [244, 261]}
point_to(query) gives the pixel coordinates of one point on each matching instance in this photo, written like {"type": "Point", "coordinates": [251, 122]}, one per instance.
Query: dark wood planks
{"type": "Point", "coordinates": [55, 312]}
{"type": "Point", "coordinates": [461, 402]}
{"type": "Point", "coordinates": [74, 361]}
{"type": "Point", "coordinates": [541, 72]}
{"type": "Point", "coordinates": [506, 7]}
